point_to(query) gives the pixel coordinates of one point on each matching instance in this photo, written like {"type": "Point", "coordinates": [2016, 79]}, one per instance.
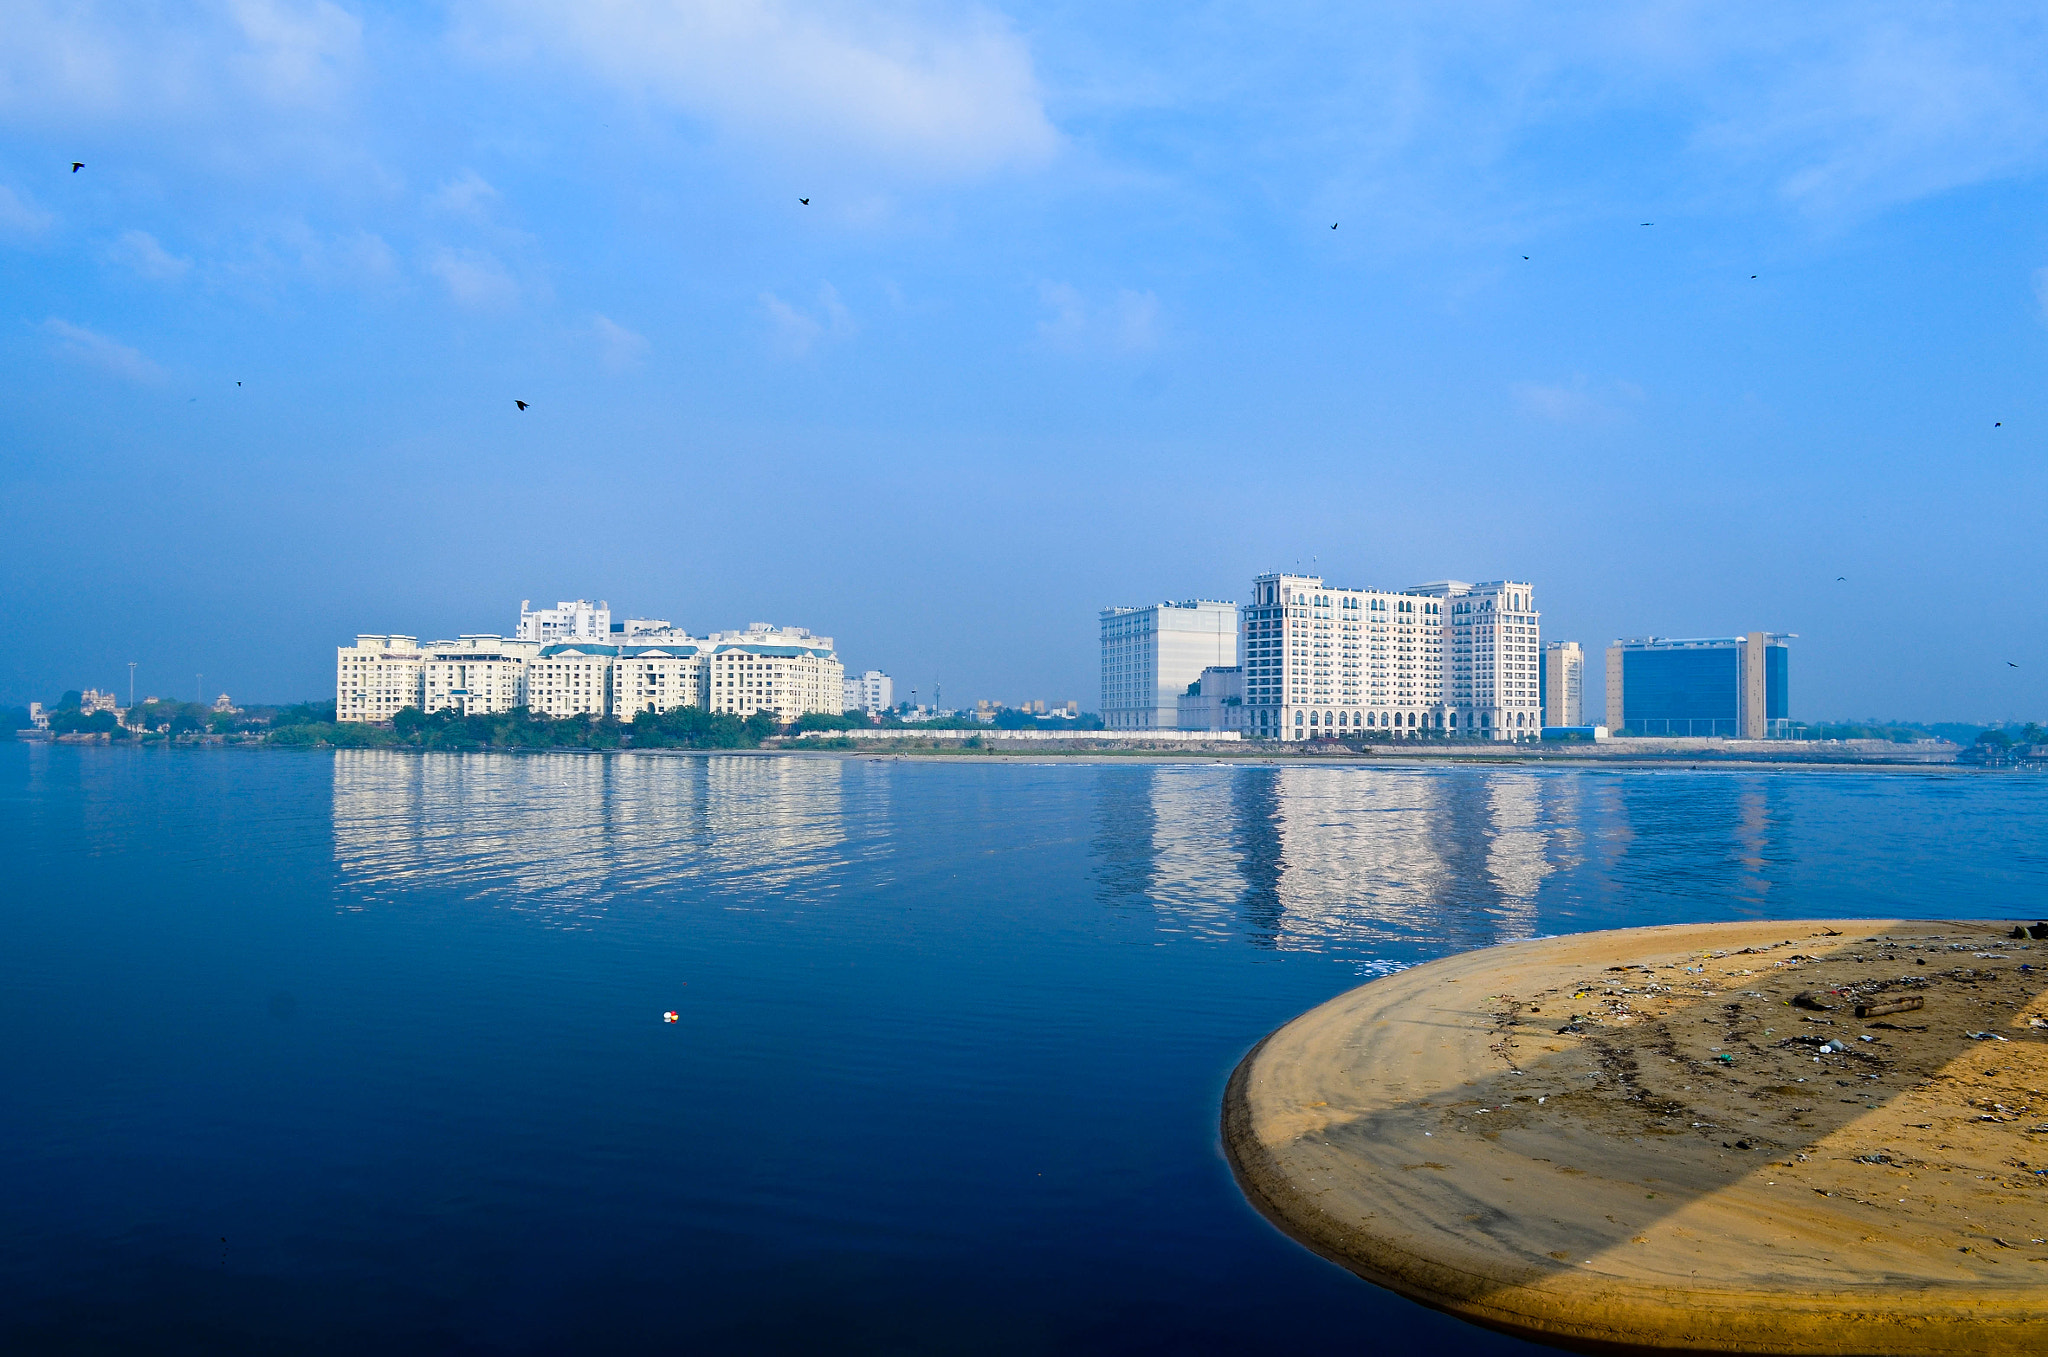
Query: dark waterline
{"type": "Point", "coordinates": [951, 1034]}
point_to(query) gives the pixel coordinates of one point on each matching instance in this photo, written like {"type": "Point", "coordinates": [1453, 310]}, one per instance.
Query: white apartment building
{"type": "Point", "coordinates": [1151, 654]}
{"type": "Point", "coordinates": [870, 692]}
{"type": "Point", "coordinates": [378, 677]}
{"type": "Point", "coordinates": [571, 680]}
{"type": "Point", "coordinates": [784, 670]}
{"type": "Point", "coordinates": [476, 675]}
{"type": "Point", "coordinates": [570, 620]}
{"type": "Point", "coordinates": [1494, 635]}
{"type": "Point", "coordinates": [1564, 684]}
{"type": "Point", "coordinates": [658, 678]}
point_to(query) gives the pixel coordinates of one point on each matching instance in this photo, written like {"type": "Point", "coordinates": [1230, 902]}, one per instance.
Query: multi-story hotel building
{"type": "Point", "coordinates": [378, 677]}
{"type": "Point", "coordinates": [1564, 684]}
{"type": "Point", "coordinates": [561, 666]}
{"type": "Point", "coordinates": [1150, 655]}
{"type": "Point", "coordinates": [1446, 658]}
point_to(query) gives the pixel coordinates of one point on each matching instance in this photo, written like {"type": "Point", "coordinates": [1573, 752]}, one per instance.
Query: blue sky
{"type": "Point", "coordinates": [1065, 324]}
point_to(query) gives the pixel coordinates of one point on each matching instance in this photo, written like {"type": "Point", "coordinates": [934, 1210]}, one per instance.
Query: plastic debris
{"type": "Point", "coordinates": [671, 1016]}
{"type": "Point", "coordinates": [1983, 1036]}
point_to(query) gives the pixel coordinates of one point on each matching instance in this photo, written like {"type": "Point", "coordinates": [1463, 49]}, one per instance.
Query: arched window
{"type": "Point", "coordinates": [1297, 718]}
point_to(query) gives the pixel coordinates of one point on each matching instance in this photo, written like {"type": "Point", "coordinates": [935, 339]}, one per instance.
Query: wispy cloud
{"type": "Point", "coordinates": [97, 350]}
{"type": "Point", "coordinates": [474, 278]}
{"type": "Point", "coordinates": [19, 213]}
{"type": "Point", "coordinates": [796, 329]}
{"type": "Point", "coordinates": [618, 347]}
{"type": "Point", "coordinates": [467, 194]}
{"type": "Point", "coordinates": [139, 252]}
{"type": "Point", "coordinates": [1576, 401]}
{"type": "Point", "coordinates": [1127, 322]}
{"type": "Point", "coordinates": [897, 84]}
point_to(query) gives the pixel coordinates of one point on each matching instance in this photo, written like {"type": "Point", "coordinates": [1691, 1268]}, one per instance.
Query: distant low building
{"type": "Point", "coordinates": [222, 706]}
{"type": "Point", "coordinates": [1733, 687]}
{"type": "Point", "coordinates": [93, 700]}
{"type": "Point", "coordinates": [38, 717]}
{"type": "Point", "coordinates": [1215, 701]}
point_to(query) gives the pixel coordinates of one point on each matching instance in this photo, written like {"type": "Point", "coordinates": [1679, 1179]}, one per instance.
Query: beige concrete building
{"type": "Point", "coordinates": [1494, 635]}
{"type": "Point", "coordinates": [478, 675]}
{"type": "Point", "coordinates": [784, 670]}
{"type": "Point", "coordinates": [1564, 684]}
{"type": "Point", "coordinates": [378, 677]}
{"type": "Point", "coordinates": [571, 680]}
{"type": "Point", "coordinates": [1151, 654]}
{"type": "Point", "coordinates": [658, 679]}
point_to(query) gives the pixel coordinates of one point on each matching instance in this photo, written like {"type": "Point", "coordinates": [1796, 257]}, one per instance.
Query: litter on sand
{"type": "Point", "coordinates": [1983, 1036]}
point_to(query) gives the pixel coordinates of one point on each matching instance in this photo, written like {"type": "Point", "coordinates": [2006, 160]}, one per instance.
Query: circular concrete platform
{"type": "Point", "coordinates": [1635, 1141]}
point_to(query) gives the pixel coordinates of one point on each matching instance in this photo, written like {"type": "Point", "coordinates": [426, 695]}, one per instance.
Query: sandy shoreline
{"type": "Point", "coordinates": [1632, 1141]}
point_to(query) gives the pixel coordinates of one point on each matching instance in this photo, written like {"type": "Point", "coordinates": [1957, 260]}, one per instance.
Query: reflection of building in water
{"type": "Point", "coordinates": [1196, 880]}
{"type": "Point", "coordinates": [572, 832]}
{"type": "Point", "coordinates": [1318, 858]}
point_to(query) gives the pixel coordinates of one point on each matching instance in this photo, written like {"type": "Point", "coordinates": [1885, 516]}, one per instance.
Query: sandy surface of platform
{"type": "Point", "coordinates": [1635, 1141]}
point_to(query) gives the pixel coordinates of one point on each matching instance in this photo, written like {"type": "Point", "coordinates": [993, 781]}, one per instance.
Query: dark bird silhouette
{"type": "Point", "coordinates": [77, 165]}
{"type": "Point", "coordinates": [1998, 424]}
{"type": "Point", "coordinates": [520, 403]}
{"type": "Point", "coordinates": [1333, 226]}
{"type": "Point", "coordinates": [1752, 276]}
{"type": "Point", "coordinates": [237, 383]}
{"type": "Point", "coordinates": [1841, 579]}
{"type": "Point", "coordinates": [1525, 256]}
{"type": "Point", "coordinates": [805, 201]}
{"type": "Point", "coordinates": [2010, 665]}
{"type": "Point", "coordinates": [1649, 223]}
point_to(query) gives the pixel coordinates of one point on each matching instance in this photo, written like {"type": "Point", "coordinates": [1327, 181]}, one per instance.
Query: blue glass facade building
{"type": "Point", "coordinates": [1731, 687]}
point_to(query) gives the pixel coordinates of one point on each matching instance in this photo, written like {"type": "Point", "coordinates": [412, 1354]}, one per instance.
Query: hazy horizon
{"type": "Point", "coordinates": [1064, 325]}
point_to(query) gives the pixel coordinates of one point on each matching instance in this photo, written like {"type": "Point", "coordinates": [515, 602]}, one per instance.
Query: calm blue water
{"type": "Point", "coordinates": [951, 1041]}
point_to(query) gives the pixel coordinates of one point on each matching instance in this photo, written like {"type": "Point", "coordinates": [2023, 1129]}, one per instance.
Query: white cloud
{"type": "Point", "coordinates": [68, 60]}
{"type": "Point", "coordinates": [957, 95]}
{"type": "Point", "coordinates": [796, 330]}
{"type": "Point", "coordinates": [97, 350]}
{"type": "Point", "coordinates": [1128, 322]}
{"type": "Point", "coordinates": [474, 278]}
{"type": "Point", "coordinates": [1574, 402]}
{"type": "Point", "coordinates": [296, 53]}
{"type": "Point", "coordinates": [140, 252]}
{"type": "Point", "coordinates": [467, 195]}
{"type": "Point", "coordinates": [18, 212]}
{"type": "Point", "coordinates": [619, 347]}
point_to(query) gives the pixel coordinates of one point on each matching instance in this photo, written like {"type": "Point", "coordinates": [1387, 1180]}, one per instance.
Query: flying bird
{"type": "Point", "coordinates": [2010, 665]}
{"type": "Point", "coordinates": [77, 165]}
{"type": "Point", "coordinates": [1525, 256]}
{"type": "Point", "coordinates": [1649, 223]}
{"type": "Point", "coordinates": [805, 201]}
{"type": "Point", "coordinates": [520, 403]}
{"type": "Point", "coordinates": [1998, 424]}
{"type": "Point", "coordinates": [1333, 226]}
{"type": "Point", "coordinates": [1752, 276]}
{"type": "Point", "coordinates": [1841, 579]}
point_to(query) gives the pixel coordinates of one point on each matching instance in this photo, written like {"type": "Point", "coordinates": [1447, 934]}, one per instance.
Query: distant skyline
{"type": "Point", "coordinates": [1680, 312]}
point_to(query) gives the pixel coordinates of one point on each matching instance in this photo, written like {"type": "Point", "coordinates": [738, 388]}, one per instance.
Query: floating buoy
{"type": "Point", "coordinates": [670, 1016]}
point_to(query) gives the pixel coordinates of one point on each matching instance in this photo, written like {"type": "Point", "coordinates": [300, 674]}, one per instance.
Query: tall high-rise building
{"type": "Point", "coordinates": [476, 675]}
{"type": "Point", "coordinates": [1564, 684]}
{"type": "Point", "coordinates": [1151, 654]}
{"type": "Point", "coordinates": [1728, 686]}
